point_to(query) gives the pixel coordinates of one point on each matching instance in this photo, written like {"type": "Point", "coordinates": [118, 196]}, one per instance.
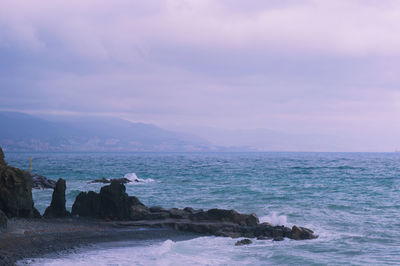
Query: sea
{"type": "Point", "coordinates": [351, 200]}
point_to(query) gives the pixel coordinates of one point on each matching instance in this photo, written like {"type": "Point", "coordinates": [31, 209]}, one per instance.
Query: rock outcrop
{"type": "Point", "coordinates": [225, 216]}
{"type": "Point", "coordinates": [57, 206]}
{"type": "Point", "coordinates": [111, 203]}
{"type": "Point", "coordinates": [41, 182]}
{"type": "Point", "coordinates": [15, 191]}
{"type": "Point", "coordinates": [3, 221]}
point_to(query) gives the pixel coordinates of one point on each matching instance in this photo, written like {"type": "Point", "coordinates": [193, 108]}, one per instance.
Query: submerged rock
{"type": "Point", "coordinates": [242, 242]}
{"type": "Point", "coordinates": [57, 206]}
{"type": "Point", "coordinates": [3, 221]}
{"type": "Point", "coordinates": [15, 191]}
{"type": "Point", "coordinates": [41, 182]}
{"type": "Point", "coordinates": [104, 180]}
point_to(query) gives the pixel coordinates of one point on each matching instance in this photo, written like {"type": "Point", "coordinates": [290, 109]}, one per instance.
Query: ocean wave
{"type": "Point", "coordinates": [135, 180]}
{"type": "Point", "coordinates": [274, 219]}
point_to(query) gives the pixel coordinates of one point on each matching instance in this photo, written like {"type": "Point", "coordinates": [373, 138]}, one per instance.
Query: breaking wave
{"type": "Point", "coordinates": [134, 179]}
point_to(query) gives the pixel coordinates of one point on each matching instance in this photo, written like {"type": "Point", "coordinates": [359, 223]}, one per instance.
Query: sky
{"type": "Point", "coordinates": [302, 67]}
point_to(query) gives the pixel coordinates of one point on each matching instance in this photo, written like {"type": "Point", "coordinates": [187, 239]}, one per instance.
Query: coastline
{"type": "Point", "coordinates": [32, 238]}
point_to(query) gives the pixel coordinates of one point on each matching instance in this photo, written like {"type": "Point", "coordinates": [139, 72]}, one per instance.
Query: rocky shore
{"type": "Point", "coordinates": [109, 214]}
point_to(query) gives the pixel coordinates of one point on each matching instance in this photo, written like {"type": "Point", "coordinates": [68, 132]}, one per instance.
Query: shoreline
{"type": "Point", "coordinates": [33, 238]}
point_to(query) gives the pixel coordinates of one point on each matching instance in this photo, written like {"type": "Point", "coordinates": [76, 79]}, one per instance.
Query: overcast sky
{"type": "Point", "coordinates": [294, 66]}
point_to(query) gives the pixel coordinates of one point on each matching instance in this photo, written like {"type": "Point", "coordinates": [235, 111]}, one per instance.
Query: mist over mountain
{"type": "Point", "coordinates": [23, 132]}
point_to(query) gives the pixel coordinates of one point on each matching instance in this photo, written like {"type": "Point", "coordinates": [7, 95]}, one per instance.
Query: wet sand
{"type": "Point", "coordinates": [33, 238]}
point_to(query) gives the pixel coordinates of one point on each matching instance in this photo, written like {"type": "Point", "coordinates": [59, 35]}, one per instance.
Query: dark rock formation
{"type": "Point", "coordinates": [57, 206]}
{"type": "Point", "coordinates": [299, 233]}
{"type": "Point", "coordinates": [15, 191]}
{"type": "Point", "coordinates": [2, 161]}
{"type": "Point", "coordinates": [41, 182]}
{"type": "Point", "coordinates": [115, 204]}
{"type": "Point", "coordinates": [3, 221]}
{"type": "Point", "coordinates": [242, 242]}
{"type": "Point", "coordinates": [225, 216]}
{"type": "Point", "coordinates": [104, 180]}
{"type": "Point", "coordinates": [112, 203]}
{"type": "Point", "coordinates": [87, 204]}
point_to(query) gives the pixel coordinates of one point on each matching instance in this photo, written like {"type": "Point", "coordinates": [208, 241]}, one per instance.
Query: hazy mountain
{"type": "Point", "coordinates": [23, 132]}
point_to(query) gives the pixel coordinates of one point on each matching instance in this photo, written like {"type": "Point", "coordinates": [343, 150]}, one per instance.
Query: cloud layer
{"type": "Point", "coordinates": [306, 65]}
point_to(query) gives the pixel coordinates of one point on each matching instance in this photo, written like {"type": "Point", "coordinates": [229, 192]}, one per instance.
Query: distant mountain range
{"type": "Point", "coordinates": [23, 132]}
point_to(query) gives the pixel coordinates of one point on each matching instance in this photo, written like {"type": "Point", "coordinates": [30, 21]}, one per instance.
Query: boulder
{"type": "Point", "coordinates": [57, 206]}
{"type": "Point", "coordinates": [3, 221]}
{"type": "Point", "coordinates": [15, 191]}
{"type": "Point", "coordinates": [301, 233]}
{"type": "Point", "coordinates": [41, 182]}
{"type": "Point", "coordinates": [242, 242]}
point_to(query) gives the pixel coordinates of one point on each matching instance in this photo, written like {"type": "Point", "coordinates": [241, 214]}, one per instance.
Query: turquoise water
{"type": "Point", "coordinates": [351, 200]}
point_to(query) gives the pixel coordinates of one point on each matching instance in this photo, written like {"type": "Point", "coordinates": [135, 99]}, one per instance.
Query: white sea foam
{"type": "Point", "coordinates": [135, 180]}
{"type": "Point", "coordinates": [199, 251]}
{"type": "Point", "coordinates": [274, 219]}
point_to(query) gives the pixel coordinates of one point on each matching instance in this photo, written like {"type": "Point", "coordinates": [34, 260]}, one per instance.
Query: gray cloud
{"type": "Point", "coordinates": [306, 66]}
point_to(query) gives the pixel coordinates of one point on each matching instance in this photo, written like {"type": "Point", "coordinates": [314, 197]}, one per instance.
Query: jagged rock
{"type": "Point", "coordinates": [134, 200]}
{"type": "Point", "coordinates": [3, 218]}
{"type": "Point", "coordinates": [278, 238]}
{"type": "Point", "coordinates": [15, 191]}
{"type": "Point", "coordinates": [41, 182]}
{"type": "Point", "coordinates": [115, 204]}
{"type": "Point", "coordinates": [57, 206]}
{"type": "Point", "coordinates": [225, 216]}
{"type": "Point", "coordinates": [242, 242]}
{"type": "Point", "coordinates": [104, 180]}
{"type": "Point", "coordinates": [301, 233]}
{"type": "Point", "coordinates": [87, 204]}
{"type": "Point", "coordinates": [112, 203]}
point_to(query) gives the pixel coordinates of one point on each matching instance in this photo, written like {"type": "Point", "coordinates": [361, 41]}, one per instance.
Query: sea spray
{"type": "Point", "coordinates": [134, 179]}
{"type": "Point", "coordinates": [274, 219]}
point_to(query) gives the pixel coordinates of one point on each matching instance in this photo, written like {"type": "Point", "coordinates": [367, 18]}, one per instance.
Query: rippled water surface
{"type": "Point", "coordinates": [351, 200]}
